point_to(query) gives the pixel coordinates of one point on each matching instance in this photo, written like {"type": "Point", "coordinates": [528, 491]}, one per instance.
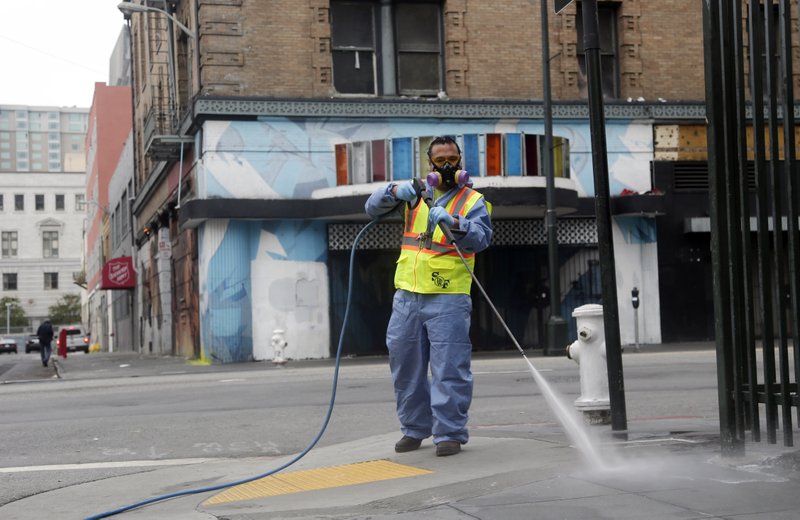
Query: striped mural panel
{"type": "Point", "coordinates": [402, 158]}
{"type": "Point", "coordinates": [513, 156]}
{"type": "Point", "coordinates": [471, 155]}
{"type": "Point", "coordinates": [493, 154]}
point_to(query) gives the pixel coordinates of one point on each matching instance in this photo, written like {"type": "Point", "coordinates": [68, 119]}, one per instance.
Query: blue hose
{"type": "Point", "coordinates": [299, 455]}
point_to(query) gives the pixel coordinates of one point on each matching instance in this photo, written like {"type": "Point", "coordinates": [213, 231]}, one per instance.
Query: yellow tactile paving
{"type": "Point", "coordinates": [320, 478]}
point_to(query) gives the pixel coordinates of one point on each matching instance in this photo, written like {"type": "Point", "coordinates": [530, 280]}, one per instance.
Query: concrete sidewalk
{"type": "Point", "coordinates": [654, 475]}
{"type": "Point", "coordinates": [667, 468]}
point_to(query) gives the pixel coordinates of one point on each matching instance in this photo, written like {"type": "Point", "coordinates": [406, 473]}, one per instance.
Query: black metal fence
{"type": "Point", "coordinates": [748, 71]}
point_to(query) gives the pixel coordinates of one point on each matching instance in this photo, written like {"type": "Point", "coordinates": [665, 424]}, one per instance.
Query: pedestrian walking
{"type": "Point", "coordinates": [45, 333]}
{"type": "Point", "coordinates": [431, 311]}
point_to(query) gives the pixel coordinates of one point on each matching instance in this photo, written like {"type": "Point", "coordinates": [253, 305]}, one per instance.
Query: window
{"type": "Point", "coordinates": [364, 61]}
{"type": "Point", "coordinates": [9, 244]}
{"type": "Point", "coordinates": [609, 59]}
{"type": "Point", "coordinates": [50, 244]}
{"type": "Point", "coordinates": [36, 120]}
{"type": "Point", "coordinates": [50, 281]}
{"type": "Point", "coordinates": [9, 281]}
{"type": "Point", "coordinates": [59, 202]}
{"type": "Point", "coordinates": [76, 123]}
{"type": "Point", "coordinates": [39, 201]}
{"type": "Point", "coordinates": [80, 202]}
{"type": "Point", "coordinates": [19, 202]}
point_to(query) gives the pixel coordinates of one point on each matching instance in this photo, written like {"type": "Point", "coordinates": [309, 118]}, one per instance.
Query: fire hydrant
{"type": "Point", "coordinates": [589, 351]}
{"type": "Point", "coordinates": [279, 343]}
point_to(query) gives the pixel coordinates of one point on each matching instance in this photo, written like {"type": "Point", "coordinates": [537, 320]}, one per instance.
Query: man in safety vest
{"type": "Point", "coordinates": [432, 308]}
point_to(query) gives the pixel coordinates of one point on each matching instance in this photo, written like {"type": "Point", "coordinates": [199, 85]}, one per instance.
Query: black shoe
{"type": "Point", "coordinates": [44, 363]}
{"type": "Point", "coordinates": [407, 444]}
{"type": "Point", "coordinates": [445, 448]}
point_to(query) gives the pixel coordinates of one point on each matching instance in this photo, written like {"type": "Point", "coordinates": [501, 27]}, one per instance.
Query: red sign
{"type": "Point", "coordinates": [118, 274]}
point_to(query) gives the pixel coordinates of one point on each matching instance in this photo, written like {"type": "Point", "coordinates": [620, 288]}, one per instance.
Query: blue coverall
{"type": "Point", "coordinates": [433, 330]}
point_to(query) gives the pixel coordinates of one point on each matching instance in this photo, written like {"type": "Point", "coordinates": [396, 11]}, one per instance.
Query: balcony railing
{"type": "Point", "coordinates": [161, 142]}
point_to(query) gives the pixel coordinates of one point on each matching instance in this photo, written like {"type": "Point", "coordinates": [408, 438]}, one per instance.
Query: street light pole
{"type": "Point", "coordinates": [8, 318]}
{"type": "Point", "coordinates": [605, 243]}
{"type": "Point", "coordinates": [556, 337]}
{"type": "Point", "coordinates": [127, 8]}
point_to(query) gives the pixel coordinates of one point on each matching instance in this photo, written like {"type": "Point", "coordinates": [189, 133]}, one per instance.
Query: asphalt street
{"type": "Point", "coordinates": [105, 430]}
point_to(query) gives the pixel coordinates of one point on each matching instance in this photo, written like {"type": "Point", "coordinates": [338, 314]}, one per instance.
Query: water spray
{"type": "Point", "coordinates": [571, 422]}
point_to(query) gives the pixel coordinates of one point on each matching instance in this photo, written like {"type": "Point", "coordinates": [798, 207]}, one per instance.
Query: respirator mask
{"type": "Point", "coordinates": [447, 173]}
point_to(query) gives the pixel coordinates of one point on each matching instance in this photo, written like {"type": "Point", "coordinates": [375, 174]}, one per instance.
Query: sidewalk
{"type": "Point", "coordinates": [664, 477]}
{"type": "Point", "coordinates": [667, 468]}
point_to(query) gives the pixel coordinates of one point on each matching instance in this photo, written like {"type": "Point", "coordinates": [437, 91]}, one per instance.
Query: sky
{"type": "Point", "coordinates": [53, 51]}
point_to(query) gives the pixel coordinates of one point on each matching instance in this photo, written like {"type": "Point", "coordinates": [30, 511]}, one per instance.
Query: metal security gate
{"type": "Point", "coordinates": [758, 292]}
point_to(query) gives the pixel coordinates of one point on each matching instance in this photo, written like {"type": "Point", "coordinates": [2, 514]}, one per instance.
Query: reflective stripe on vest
{"type": "Point", "coordinates": [428, 264]}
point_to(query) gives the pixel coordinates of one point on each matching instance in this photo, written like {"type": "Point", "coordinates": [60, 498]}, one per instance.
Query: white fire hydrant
{"type": "Point", "coordinates": [589, 351]}
{"type": "Point", "coordinates": [279, 343]}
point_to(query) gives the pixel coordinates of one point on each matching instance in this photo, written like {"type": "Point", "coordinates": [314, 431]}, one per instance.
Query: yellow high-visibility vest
{"type": "Point", "coordinates": [428, 264]}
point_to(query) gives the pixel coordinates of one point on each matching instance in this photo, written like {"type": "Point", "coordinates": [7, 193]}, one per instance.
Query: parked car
{"type": "Point", "coordinates": [32, 343]}
{"type": "Point", "coordinates": [8, 345]}
{"type": "Point", "coordinates": [77, 340]}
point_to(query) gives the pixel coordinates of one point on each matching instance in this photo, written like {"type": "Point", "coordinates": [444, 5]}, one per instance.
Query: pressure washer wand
{"type": "Point", "coordinates": [426, 196]}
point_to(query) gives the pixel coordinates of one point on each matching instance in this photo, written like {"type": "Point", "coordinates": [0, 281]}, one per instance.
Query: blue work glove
{"type": "Point", "coordinates": [406, 192]}
{"type": "Point", "coordinates": [438, 214]}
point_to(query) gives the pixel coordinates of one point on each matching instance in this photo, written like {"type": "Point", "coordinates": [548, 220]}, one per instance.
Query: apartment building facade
{"type": "Point", "coordinates": [108, 130]}
{"type": "Point", "coordinates": [42, 204]}
{"type": "Point", "coordinates": [261, 129]}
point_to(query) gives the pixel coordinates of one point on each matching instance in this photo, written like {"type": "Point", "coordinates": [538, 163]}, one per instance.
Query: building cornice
{"type": "Point", "coordinates": [253, 108]}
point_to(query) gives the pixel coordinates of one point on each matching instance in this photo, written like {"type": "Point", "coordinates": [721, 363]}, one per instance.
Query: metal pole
{"type": "Point", "coordinates": [712, 48]}
{"type": "Point", "coordinates": [8, 319]}
{"type": "Point", "coordinates": [746, 362]}
{"type": "Point", "coordinates": [790, 167]}
{"type": "Point", "coordinates": [556, 325]}
{"type": "Point", "coordinates": [616, 381]}
{"type": "Point", "coordinates": [756, 33]}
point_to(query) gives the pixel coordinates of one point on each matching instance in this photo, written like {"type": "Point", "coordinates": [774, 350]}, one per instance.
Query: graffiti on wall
{"type": "Point", "coordinates": [291, 158]}
{"type": "Point", "coordinates": [228, 251]}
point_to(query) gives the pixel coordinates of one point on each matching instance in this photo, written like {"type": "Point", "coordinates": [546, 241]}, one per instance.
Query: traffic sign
{"type": "Point", "coordinates": [559, 5]}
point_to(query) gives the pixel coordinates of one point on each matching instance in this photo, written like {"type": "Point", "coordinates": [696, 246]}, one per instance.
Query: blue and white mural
{"type": "Point", "coordinates": [257, 276]}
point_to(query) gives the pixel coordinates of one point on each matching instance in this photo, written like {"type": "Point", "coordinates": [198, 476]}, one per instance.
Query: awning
{"type": "Point", "coordinates": [118, 273]}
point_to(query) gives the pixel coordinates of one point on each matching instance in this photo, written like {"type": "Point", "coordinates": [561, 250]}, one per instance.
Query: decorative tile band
{"type": "Point", "coordinates": [571, 231]}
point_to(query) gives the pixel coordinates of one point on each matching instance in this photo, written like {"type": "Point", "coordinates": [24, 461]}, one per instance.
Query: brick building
{"type": "Point", "coordinates": [260, 128]}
